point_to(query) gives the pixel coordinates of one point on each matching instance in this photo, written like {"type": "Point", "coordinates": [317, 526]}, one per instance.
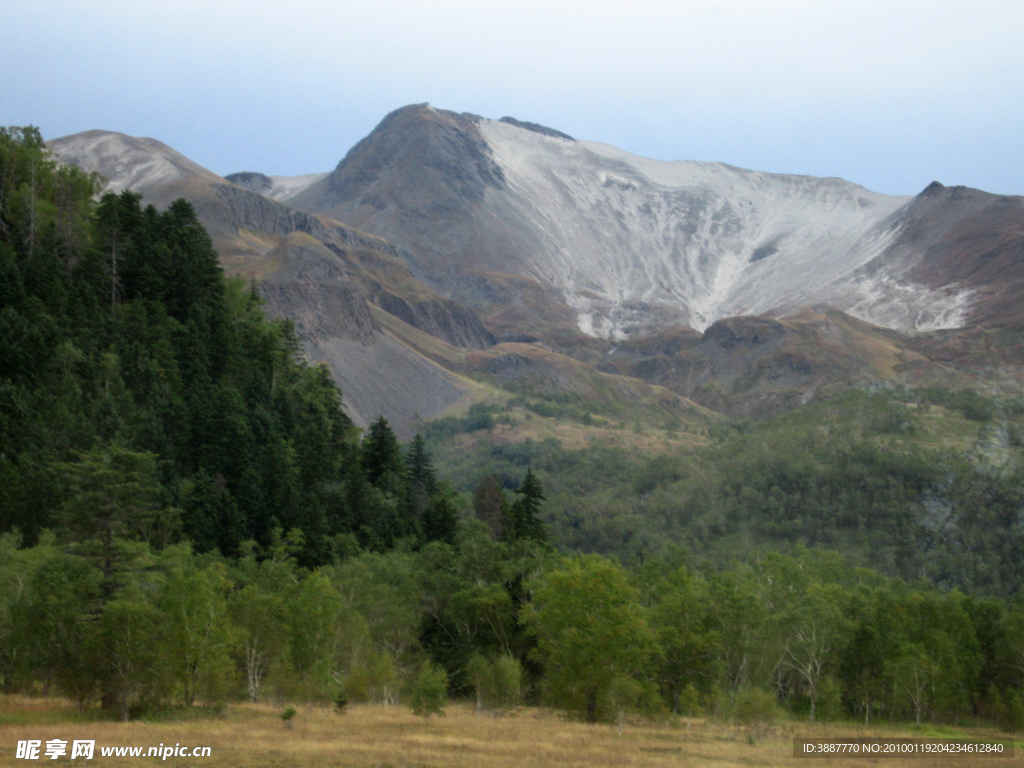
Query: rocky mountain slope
{"type": "Point", "coordinates": [505, 254]}
{"type": "Point", "coordinates": [274, 187]}
{"type": "Point", "coordinates": [355, 303]}
{"type": "Point", "coordinates": [626, 246]}
{"type": "Point", "coordinates": [756, 366]}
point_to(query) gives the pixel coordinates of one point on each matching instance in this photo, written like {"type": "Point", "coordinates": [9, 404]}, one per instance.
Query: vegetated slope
{"type": "Point", "coordinates": [628, 245]}
{"type": "Point", "coordinates": [140, 393]}
{"type": "Point", "coordinates": [922, 485]}
{"type": "Point", "coordinates": [514, 379]}
{"type": "Point", "coordinates": [145, 399]}
{"type": "Point", "coordinates": [314, 271]}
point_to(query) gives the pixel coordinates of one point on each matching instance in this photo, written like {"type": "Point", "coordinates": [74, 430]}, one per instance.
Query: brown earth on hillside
{"type": "Point", "coordinates": [970, 239]}
{"type": "Point", "coordinates": [757, 366]}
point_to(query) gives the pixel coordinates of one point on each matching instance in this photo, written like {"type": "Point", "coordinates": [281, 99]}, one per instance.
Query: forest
{"type": "Point", "coordinates": [189, 518]}
{"type": "Point", "coordinates": [920, 485]}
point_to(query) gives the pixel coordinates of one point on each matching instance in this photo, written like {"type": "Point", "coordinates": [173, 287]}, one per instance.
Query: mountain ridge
{"type": "Point", "coordinates": [448, 223]}
{"type": "Point", "coordinates": [631, 245]}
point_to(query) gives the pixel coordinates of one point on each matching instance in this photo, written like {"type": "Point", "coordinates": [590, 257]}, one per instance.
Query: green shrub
{"type": "Point", "coordinates": [430, 691]}
{"type": "Point", "coordinates": [1015, 711]}
{"type": "Point", "coordinates": [689, 701]}
{"type": "Point", "coordinates": [508, 682]}
{"type": "Point", "coordinates": [498, 683]}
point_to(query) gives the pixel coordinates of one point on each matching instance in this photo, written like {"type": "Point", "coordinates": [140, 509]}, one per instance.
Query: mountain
{"type": "Point", "coordinates": [533, 228]}
{"type": "Point", "coordinates": [355, 303]}
{"type": "Point", "coordinates": [318, 273]}
{"type": "Point", "coordinates": [248, 228]}
{"type": "Point", "coordinates": [448, 258]}
{"type": "Point", "coordinates": [971, 240]}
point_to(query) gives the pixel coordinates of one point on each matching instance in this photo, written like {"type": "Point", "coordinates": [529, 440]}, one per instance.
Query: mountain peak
{"type": "Point", "coordinates": [127, 162]}
{"type": "Point", "coordinates": [431, 163]}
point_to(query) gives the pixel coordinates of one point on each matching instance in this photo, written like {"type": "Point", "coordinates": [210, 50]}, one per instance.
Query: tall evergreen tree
{"type": "Point", "coordinates": [381, 457]}
{"type": "Point", "coordinates": [420, 478]}
{"type": "Point", "coordinates": [441, 517]}
{"type": "Point", "coordinates": [523, 517]}
{"type": "Point", "coordinates": [113, 498]}
{"type": "Point", "coordinates": [389, 515]}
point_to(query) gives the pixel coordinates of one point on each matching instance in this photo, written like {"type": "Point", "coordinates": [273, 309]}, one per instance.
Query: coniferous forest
{"type": "Point", "coordinates": [188, 518]}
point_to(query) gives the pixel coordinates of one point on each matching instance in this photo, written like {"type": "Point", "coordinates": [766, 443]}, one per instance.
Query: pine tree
{"type": "Point", "coordinates": [441, 517]}
{"type": "Point", "coordinates": [524, 515]}
{"type": "Point", "coordinates": [420, 478]}
{"type": "Point", "coordinates": [381, 457]}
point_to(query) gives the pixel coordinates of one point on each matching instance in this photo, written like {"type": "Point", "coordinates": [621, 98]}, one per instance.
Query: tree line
{"type": "Point", "coordinates": [504, 623]}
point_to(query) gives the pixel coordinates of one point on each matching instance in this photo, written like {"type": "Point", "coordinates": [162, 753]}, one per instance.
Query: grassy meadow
{"type": "Point", "coordinates": [367, 736]}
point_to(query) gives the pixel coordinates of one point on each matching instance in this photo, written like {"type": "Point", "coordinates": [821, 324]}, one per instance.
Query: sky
{"type": "Point", "coordinates": [891, 95]}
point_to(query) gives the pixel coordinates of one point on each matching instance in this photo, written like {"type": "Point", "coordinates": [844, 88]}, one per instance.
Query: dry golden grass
{"type": "Point", "coordinates": [373, 736]}
{"type": "Point", "coordinates": [441, 352]}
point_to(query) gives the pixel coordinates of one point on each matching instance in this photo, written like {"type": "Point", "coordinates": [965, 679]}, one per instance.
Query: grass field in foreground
{"type": "Point", "coordinates": [364, 736]}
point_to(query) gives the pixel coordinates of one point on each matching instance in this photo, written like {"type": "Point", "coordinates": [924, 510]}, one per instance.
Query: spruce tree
{"type": "Point", "coordinates": [524, 515]}
{"type": "Point", "coordinates": [381, 457]}
{"type": "Point", "coordinates": [389, 515]}
{"type": "Point", "coordinates": [420, 478]}
{"type": "Point", "coordinates": [440, 517]}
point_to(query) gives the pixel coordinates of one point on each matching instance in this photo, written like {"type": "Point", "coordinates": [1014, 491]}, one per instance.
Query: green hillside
{"type": "Point", "coordinates": [919, 484]}
{"type": "Point", "coordinates": [143, 395]}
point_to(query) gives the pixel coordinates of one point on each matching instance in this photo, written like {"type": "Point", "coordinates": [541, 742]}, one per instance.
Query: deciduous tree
{"type": "Point", "coordinates": [591, 631]}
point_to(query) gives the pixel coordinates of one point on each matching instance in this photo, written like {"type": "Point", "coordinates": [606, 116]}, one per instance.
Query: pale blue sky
{"type": "Point", "coordinates": [888, 94]}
